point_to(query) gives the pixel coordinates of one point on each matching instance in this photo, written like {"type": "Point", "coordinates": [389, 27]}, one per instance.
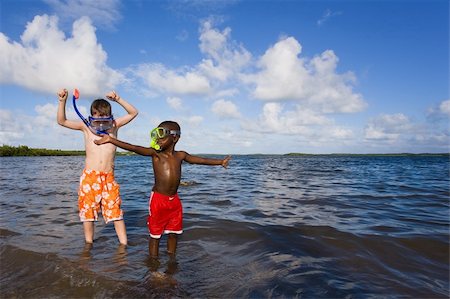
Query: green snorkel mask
{"type": "Point", "coordinates": [160, 133]}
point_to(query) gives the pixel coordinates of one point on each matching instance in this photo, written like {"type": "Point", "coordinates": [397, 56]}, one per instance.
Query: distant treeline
{"type": "Point", "coordinates": [374, 155]}
{"type": "Point", "coordinates": [23, 150]}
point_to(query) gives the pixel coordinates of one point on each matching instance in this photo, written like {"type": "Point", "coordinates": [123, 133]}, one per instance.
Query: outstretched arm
{"type": "Point", "coordinates": [144, 151]}
{"type": "Point", "coordinates": [206, 161]}
{"type": "Point", "coordinates": [132, 112]}
{"type": "Point", "coordinates": [61, 114]}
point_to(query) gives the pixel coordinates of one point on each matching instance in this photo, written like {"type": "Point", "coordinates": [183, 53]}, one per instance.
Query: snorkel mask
{"type": "Point", "coordinates": [98, 125]}
{"type": "Point", "coordinates": [101, 124]}
{"type": "Point", "coordinates": [160, 133]}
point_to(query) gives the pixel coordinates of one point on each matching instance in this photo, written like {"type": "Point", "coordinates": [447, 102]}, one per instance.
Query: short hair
{"type": "Point", "coordinates": [102, 106]}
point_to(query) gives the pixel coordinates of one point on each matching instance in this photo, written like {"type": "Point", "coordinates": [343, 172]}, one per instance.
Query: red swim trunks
{"type": "Point", "coordinates": [165, 215]}
{"type": "Point", "coordinates": [99, 190]}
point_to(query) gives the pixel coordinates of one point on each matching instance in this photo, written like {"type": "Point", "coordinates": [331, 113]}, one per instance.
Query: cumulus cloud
{"type": "Point", "coordinates": [173, 82]}
{"type": "Point", "coordinates": [281, 74]}
{"type": "Point", "coordinates": [285, 76]}
{"type": "Point", "coordinates": [224, 57]}
{"type": "Point", "coordinates": [298, 120]}
{"type": "Point", "coordinates": [45, 60]}
{"type": "Point", "coordinates": [225, 109]}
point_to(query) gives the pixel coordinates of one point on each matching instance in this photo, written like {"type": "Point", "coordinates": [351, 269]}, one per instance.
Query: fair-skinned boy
{"type": "Point", "coordinates": [99, 165]}
{"type": "Point", "coordinates": [167, 172]}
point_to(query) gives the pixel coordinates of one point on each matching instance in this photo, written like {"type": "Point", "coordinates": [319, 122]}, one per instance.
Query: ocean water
{"type": "Point", "coordinates": [266, 227]}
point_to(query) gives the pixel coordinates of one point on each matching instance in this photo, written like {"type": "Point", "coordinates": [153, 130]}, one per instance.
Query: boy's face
{"type": "Point", "coordinates": [167, 140]}
{"type": "Point", "coordinates": [101, 122]}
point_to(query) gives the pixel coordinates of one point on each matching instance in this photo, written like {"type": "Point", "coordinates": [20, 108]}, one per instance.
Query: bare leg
{"type": "Point", "coordinates": [88, 227]}
{"type": "Point", "coordinates": [153, 247]}
{"type": "Point", "coordinates": [172, 244]}
{"type": "Point", "coordinates": [121, 231]}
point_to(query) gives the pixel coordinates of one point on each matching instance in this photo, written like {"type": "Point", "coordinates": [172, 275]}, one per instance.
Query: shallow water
{"type": "Point", "coordinates": [267, 227]}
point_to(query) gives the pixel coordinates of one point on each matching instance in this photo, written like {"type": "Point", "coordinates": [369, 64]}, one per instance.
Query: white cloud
{"type": "Point", "coordinates": [297, 94]}
{"type": "Point", "coordinates": [444, 107]}
{"type": "Point", "coordinates": [285, 76]}
{"type": "Point", "coordinates": [46, 60]}
{"type": "Point", "coordinates": [282, 75]}
{"type": "Point", "coordinates": [439, 114]}
{"type": "Point", "coordinates": [298, 120]}
{"type": "Point", "coordinates": [223, 62]}
{"type": "Point", "coordinates": [297, 127]}
{"type": "Point", "coordinates": [104, 13]}
{"type": "Point", "coordinates": [168, 81]}
{"type": "Point", "coordinates": [388, 127]}
{"type": "Point", "coordinates": [175, 103]}
{"type": "Point", "coordinates": [224, 56]}
{"type": "Point", "coordinates": [39, 130]}
{"type": "Point", "coordinates": [225, 109]}
{"type": "Point", "coordinates": [401, 134]}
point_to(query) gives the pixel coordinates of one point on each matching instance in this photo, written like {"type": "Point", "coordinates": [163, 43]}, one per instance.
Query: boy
{"type": "Point", "coordinates": [98, 189]}
{"type": "Point", "coordinates": [165, 210]}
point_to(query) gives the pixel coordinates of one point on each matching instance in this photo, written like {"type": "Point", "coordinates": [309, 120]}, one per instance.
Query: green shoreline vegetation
{"type": "Point", "coordinates": [23, 150]}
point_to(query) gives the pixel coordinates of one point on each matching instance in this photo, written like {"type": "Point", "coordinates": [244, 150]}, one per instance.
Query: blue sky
{"type": "Point", "coordinates": [240, 77]}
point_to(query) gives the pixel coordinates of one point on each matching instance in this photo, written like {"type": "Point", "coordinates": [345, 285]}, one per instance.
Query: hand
{"type": "Point", "coordinates": [113, 96]}
{"type": "Point", "coordinates": [62, 95]}
{"type": "Point", "coordinates": [103, 140]}
{"type": "Point", "coordinates": [225, 161]}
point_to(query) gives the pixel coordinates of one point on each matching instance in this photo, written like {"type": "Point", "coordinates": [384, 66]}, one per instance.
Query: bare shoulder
{"type": "Point", "coordinates": [181, 154]}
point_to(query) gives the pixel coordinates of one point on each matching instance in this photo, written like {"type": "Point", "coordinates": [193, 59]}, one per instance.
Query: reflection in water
{"type": "Point", "coordinates": [171, 265]}
{"type": "Point", "coordinates": [121, 255]}
{"type": "Point", "coordinates": [86, 254]}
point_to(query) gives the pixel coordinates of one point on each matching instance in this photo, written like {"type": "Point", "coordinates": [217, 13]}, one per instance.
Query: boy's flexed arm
{"type": "Point", "coordinates": [206, 161]}
{"type": "Point", "coordinates": [144, 151]}
{"type": "Point", "coordinates": [132, 112]}
{"type": "Point", "coordinates": [61, 114]}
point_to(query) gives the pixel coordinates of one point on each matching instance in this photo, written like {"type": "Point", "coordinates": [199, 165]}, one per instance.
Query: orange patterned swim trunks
{"type": "Point", "coordinates": [99, 190]}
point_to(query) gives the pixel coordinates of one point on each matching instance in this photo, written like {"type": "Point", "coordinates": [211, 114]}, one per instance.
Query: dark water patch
{"type": "Point", "coordinates": [4, 233]}
{"type": "Point", "coordinates": [220, 203]}
{"type": "Point", "coordinates": [41, 275]}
